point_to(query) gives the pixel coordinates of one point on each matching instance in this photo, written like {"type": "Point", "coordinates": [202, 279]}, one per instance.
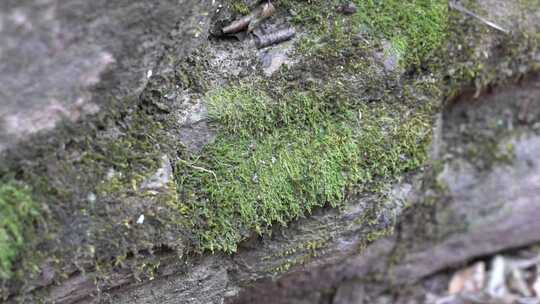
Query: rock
{"type": "Point", "coordinates": [74, 69]}
{"type": "Point", "coordinates": [61, 60]}
{"type": "Point", "coordinates": [483, 198]}
{"type": "Point", "coordinates": [347, 8]}
{"type": "Point", "coordinates": [350, 293]}
{"type": "Point", "coordinates": [317, 258]}
{"type": "Point", "coordinates": [195, 132]}
{"type": "Point", "coordinates": [160, 180]}
{"type": "Point", "coordinates": [274, 58]}
{"type": "Point", "coordinates": [389, 57]}
{"type": "Point", "coordinates": [195, 136]}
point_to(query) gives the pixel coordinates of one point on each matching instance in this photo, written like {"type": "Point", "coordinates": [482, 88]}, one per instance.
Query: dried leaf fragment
{"type": "Point", "coordinates": [471, 279]}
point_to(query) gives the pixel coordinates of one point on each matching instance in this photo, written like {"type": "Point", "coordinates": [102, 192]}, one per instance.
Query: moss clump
{"type": "Point", "coordinates": [276, 159]}
{"type": "Point", "coordinates": [415, 29]}
{"type": "Point", "coordinates": [240, 8]}
{"type": "Point", "coordinates": [17, 211]}
{"type": "Point", "coordinates": [280, 153]}
{"type": "Point", "coordinates": [480, 58]}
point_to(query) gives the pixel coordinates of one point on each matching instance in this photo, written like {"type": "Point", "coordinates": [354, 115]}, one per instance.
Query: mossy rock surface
{"type": "Point", "coordinates": [332, 124]}
{"type": "Point", "coordinates": [248, 153]}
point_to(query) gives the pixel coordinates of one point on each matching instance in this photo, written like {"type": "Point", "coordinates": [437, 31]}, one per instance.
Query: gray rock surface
{"type": "Point", "coordinates": [161, 178]}
{"type": "Point", "coordinates": [62, 60]}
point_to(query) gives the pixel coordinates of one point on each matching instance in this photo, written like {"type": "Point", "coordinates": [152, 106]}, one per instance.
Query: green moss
{"type": "Point", "coordinates": [479, 58]}
{"type": "Point", "coordinates": [282, 149]}
{"type": "Point", "coordinates": [310, 247]}
{"type": "Point", "coordinates": [130, 158]}
{"type": "Point", "coordinates": [240, 7]}
{"type": "Point", "coordinates": [415, 29]}
{"type": "Point", "coordinates": [298, 254]}
{"type": "Point", "coordinates": [276, 159]}
{"type": "Point", "coordinates": [485, 152]}
{"type": "Point", "coordinates": [96, 167]}
{"type": "Point", "coordinates": [17, 212]}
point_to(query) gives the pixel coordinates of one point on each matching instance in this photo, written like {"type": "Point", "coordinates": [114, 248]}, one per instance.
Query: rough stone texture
{"type": "Point", "coordinates": [62, 60]}
{"type": "Point", "coordinates": [65, 59]}
{"type": "Point", "coordinates": [274, 58]}
{"type": "Point", "coordinates": [92, 223]}
{"type": "Point", "coordinates": [161, 179]}
{"type": "Point", "coordinates": [350, 293]}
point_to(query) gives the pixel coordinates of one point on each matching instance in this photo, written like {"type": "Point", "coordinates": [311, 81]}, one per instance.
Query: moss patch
{"type": "Point", "coordinates": [276, 159]}
{"type": "Point", "coordinates": [240, 8]}
{"type": "Point", "coordinates": [480, 58]}
{"type": "Point", "coordinates": [295, 145]}
{"type": "Point", "coordinates": [132, 156]}
{"type": "Point", "coordinates": [17, 212]}
{"type": "Point", "coordinates": [415, 29]}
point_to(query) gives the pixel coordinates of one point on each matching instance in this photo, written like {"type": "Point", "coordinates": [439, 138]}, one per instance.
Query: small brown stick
{"type": "Point", "coordinates": [275, 37]}
{"type": "Point", "coordinates": [268, 10]}
{"type": "Point", "coordinates": [454, 4]}
{"type": "Point", "coordinates": [250, 21]}
{"type": "Point", "coordinates": [237, 25]}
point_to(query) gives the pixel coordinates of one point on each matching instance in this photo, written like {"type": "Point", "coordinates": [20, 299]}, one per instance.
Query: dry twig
{"type": "Point", "coordinates": [455, 4]}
